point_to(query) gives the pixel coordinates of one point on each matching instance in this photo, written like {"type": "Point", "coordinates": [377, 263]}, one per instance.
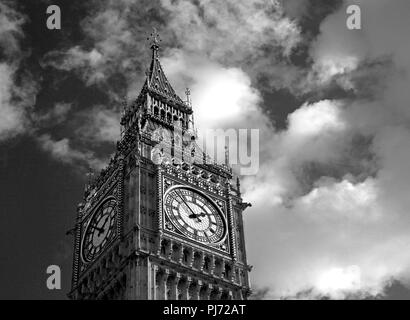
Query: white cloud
{"type": "Point", "coordinates": [115, 50]}
{"type": "Point", "coordinates": [334, 200]}
{"type": "Point", "coordinates": [220, 95]}
{"type": "Point", "coordinates": [230, 30]}
{"type": "Point", "coordinates": [315, 132]}
{"type": "Point", "coordinates": [333, 241]}
{"type": "Point", "coordinates": [62, 151]}
{"type": "Point", "coordinates": [101, 125]}
{"type": "Point", "coordinates": [10, 29]}
{"type": "Point", "coordinates": [11, 120]}
{"type": "Point", "coordinates": [340, 279]}
{"type": "Point", "coordinates": [14, 98]}
{"type": "Point", "coordinates": [336, 51]}
{"type": "Point", "coordinates": [312, 120]}
{"type": "Point", "coordinates": [53, 116]}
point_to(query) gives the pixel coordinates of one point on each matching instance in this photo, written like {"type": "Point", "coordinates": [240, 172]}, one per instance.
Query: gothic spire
{"type": "Point", "coordinates": [157, 82]}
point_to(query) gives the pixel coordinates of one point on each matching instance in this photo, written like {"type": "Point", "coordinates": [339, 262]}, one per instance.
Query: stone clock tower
{"type": "Point", "coordinates": [160, 222]}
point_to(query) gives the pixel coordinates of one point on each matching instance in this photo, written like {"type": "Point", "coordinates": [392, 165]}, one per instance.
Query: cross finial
{"type": "Point", "coordinates": [154, 38]}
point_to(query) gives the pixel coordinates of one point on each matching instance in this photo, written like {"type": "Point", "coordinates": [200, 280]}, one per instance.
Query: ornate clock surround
{"type": "Point", "coordinates": [113, 214]}
{"type": "Point", "coordinates": [197, 216]}
{"type": "Point", "coordinates": [173, 177]}
{"type": "Point", "coordinates": [111, 188]}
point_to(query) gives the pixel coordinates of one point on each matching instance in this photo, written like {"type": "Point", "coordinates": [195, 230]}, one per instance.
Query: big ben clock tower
{"type": "Point", "coordinates": [160, 223]}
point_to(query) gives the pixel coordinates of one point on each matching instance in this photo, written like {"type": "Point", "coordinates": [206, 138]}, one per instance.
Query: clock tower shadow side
{"type": "Point", "coordinates": [154, 224]}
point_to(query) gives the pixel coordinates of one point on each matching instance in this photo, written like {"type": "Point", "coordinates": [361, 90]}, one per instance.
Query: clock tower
{"type": "Point", "coordinates": [161, 221]}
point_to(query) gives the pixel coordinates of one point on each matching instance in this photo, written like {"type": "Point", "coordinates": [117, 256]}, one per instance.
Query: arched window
{"type": "Point", "coordinates": [203, 293]}
{"type": "Point", "coordinates": [207, 261]}
{"type": "Point", "coordinates": [197, 260]}
{"type": "Point", "coordinates": [227, 271]}
{"type": "Point", "coordinates": [175, 252]}
{"type": "Point", "coordinates": [164, 245]}
{"type": "Point", "coordinates": [185, 257]}
{"type": "Point", "coordinates": [225, 295]}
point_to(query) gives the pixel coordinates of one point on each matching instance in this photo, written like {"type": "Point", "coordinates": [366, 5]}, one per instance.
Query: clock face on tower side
{"type": "Point", "coordinates": [99, 231]}
{"type": "Point", "coordinates": [195, 215]}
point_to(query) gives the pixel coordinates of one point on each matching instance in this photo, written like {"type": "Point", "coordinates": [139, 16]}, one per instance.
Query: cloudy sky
{"type": "Point", "coordinates": [329, 216]}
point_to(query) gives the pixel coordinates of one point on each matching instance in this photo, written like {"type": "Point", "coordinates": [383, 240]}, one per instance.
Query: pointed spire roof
{"type": "Point", "coordinates": [156, 81]}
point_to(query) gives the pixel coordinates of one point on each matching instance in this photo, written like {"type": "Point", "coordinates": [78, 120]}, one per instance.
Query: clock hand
{"type": "Point", "coordinates": [105, 222]}
{"type": "Point", "coordinates": [200, 215]}
{"type": "Point", "coordinates": [194, 216]}
{"type": "Point", "coordinates": [193, 213]}
{"type": "Point", "coordinates": [96, 228]}
{"type": "Point", "coordinates": [99, 229]}
{"type": "Point", "coordinates": [102, 229]}
{"type": "Point", "coordinates": [209, 240]}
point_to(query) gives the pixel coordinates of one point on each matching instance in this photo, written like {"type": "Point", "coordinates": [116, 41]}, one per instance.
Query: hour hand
{"type": "Point", "coordinates": [96, 228]}
{"type": "Point", "coordinates": [194, 216]}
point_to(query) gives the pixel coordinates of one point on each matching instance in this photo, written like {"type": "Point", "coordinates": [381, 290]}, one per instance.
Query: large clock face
{"type": "Point", "coordinates": [100, 230]}
{"type": "Point", "coordinates": [194, 214]}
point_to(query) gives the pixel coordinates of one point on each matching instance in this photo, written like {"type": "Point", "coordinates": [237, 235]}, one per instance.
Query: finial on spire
{"type": "Point", "coordinates": [154, 39]}
{"type": "Point", "coordinates": [188, 98]}
{"type": "Point", "coordinates": [191, 122]}
{"type": "Point", "coordinates": [124, 104]}
{"type": "Point", "coordinates": [90, 178]}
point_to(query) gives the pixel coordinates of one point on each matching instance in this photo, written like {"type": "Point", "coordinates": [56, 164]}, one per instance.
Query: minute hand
{"type": "Point", "coordinates": [193, 213]}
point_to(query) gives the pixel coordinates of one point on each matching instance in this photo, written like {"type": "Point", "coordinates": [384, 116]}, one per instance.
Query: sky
{"type": "Point", "coordinates": [329, 214]}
